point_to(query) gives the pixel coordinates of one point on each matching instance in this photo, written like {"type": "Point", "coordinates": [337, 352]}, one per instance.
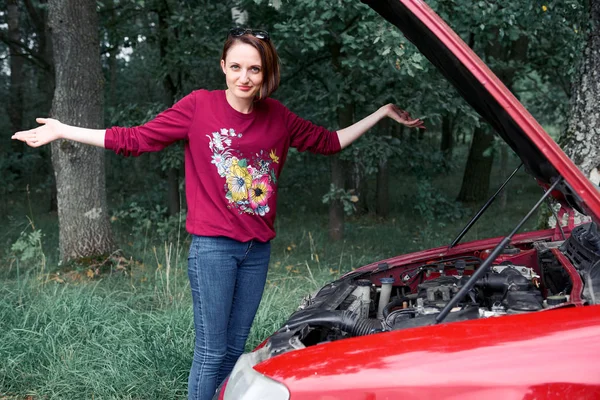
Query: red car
{"type": "Point", "coordinates": [504, 318]}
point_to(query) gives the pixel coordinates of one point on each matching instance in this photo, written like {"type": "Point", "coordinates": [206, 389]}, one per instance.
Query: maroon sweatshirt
{"type": "Point", "coordinates": [232, 160]}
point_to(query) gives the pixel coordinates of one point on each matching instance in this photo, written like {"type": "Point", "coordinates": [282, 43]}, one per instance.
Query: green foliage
{"type": "Point", "coordinates": [435, 207]}
{"type": "Point", "coordinates": [152, 223]}
{"type": "Point", "coordinates": [552, 31]}
{"type": "Point", "coordinates": [345, 197]}
{"type": "Point", "coordinates": [348, 56]}
{"type": "Point", "coordinates": [172, 157]}
{"type": "Point", "coordinates": [8, 173]}
{"type": "Point", "coordinates": [424, 162]}
{"type": "Point", "coordinates": [13, 166]}
{"type": "Point", "coordinates": [199, 28]}
{"type": "Point", "coordinates": [132, 114]}
{"type": "Point", "coordinates": [371, 151]}
{"type": "Point", "coordinates": [28, 248]}
{"type": "Point", "coordinates": [333, 54]}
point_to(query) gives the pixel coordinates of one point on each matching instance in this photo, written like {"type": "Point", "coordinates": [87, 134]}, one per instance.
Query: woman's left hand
{"type": "Point", "coordinates": [356, 130]}
{"type": "Point", "coordinates": [402, 117]}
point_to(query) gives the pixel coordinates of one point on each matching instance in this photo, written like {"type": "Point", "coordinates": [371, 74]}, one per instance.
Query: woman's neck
{"type": "Point", "coordinates": [243, 106]}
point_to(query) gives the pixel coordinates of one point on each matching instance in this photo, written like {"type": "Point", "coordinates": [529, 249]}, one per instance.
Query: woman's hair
{"type": "Point", "coordinates": [268, 57]}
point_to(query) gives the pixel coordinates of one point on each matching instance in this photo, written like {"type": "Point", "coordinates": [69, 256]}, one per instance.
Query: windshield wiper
{"type": "Point", "coordinates": [493, 255]}
{"type": "Point", "coordinates": [482, 210]}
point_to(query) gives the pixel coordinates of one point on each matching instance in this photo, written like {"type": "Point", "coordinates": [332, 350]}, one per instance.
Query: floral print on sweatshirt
{"type": "Point", "coordinates": [249, 182]}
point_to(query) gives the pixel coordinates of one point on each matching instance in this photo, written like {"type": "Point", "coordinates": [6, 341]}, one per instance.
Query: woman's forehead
{"type": "Point", "coordinates": [243, 53]}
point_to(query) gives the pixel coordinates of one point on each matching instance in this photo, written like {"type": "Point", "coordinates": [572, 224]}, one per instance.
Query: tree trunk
{"type": "Point", "coordinates": [336, 208]}
{"type": "Point", "coordinates": [359, 187]}
{"type": "Point", "coordinates": [504, 174]}
{"type": "Point", "coordinates": [398, 132]}
{"type": "Point", "coordinates": [112, 57]}
{"type": "Point", "coordinates": [476, 179]}
{"type": "Point", "coordinates": [38, 16]}
{"type": "Point", "coordinates": [46, 83]}
{"type": "Point", "coordinates": [14, 107]}
{"type": "Point", "coordinates": [382, 208]}
{"type": "Point", "coordinates": [580, 140]}
{"type": "Point", "coordinates": [174, 199]}
{"type": "Point", "coordinates": [382, 180]}
{"type": "Point", "coordinates": [357, 180]}
{"type": "Point", "coordinates": [345, 117]}
{"type": "Point", "coordinates": [170, 90]}
{"type": "Point", "coordinates": [447, 144]}
{"type": "Point", "coordinates": [84, 228]}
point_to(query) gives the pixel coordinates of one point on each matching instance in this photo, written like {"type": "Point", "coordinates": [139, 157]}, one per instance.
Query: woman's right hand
{"type": "Point", "coordinates": [49, 130]}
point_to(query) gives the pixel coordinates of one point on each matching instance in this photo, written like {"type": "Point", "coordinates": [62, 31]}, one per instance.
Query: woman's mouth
{"type": "Point", "coordinates": [245, 88]}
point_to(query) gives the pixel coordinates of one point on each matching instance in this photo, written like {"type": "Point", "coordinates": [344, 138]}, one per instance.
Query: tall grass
{"type": "Point", "coordinates": [131, 336]}
{"type": "Point", "coordinates": [92, 340]}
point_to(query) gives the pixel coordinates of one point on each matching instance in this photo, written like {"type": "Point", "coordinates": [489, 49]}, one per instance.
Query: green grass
{"type": "Point", "coordinates": [93, 340]}
{"type": "Point", "coordinates": [129, 335]}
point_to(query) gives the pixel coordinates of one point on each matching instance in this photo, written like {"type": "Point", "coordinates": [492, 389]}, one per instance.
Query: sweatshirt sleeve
{"type": "Point", "coordinates": [168, 127]}
{"type": "Point", "coordinates": [307, 136]}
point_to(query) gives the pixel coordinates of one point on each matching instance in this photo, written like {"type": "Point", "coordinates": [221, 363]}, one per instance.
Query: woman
{"type": "Point", "coordinates": [236, 144]}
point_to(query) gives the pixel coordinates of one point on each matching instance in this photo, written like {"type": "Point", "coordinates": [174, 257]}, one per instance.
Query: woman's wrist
{"type": "Point", "coordinates": [385, 111]}
{"type": "Point", "coordinates": [61, 130]}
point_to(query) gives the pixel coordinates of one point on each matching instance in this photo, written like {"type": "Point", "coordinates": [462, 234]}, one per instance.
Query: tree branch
{"type": "Point", "coordinates": [351, 23]}
{"type": "Point", "coordinates": [110, 10]}
{"type": "Point", "coordinates": [25, 51]}
{"type": "Point", "coordinates": [35, 16]}
{"type": "Point", "coordinates": [303, 67]}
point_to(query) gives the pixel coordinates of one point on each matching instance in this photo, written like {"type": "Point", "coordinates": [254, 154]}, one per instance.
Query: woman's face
{"type": "Point", "coordinates": [243, 71]}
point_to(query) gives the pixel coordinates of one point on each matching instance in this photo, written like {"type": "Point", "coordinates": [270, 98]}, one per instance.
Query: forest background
{"type": "Point", "coordinates": [100, 308]}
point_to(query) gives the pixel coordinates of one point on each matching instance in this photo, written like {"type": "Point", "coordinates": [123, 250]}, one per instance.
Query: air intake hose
{"type": "Point", "coordinates": [346, 321]}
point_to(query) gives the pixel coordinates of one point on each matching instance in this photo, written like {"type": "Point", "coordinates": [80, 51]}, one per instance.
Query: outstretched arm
{"type": "Point", "coordinates": [52, 129]}
{"type": "Point", "coordinates": [353, 132]}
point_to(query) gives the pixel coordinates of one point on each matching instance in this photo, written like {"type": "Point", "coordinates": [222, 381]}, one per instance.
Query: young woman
{"type": "Point", "coordinates": [236, 144]}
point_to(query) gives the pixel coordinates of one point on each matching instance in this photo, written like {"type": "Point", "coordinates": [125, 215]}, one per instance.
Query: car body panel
{"type": "Point", "coordinates": [546, 354]}
{"type": "Point", "coordinates": [467, 247]}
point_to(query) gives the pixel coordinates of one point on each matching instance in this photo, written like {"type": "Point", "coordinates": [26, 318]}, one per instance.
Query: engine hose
{"type": "Point", "coordinates": [398, 302]}
{"type": "Point", "coordinates": [346, 321]}
{"type": "Point", "coordinates": [365, 326]}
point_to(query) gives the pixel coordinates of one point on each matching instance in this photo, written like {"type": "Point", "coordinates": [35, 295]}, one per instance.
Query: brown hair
{"type": "Point", "coordinates": [268, 57]}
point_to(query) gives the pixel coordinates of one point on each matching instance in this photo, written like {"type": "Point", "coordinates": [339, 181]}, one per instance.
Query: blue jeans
{"type": "Point", "coordinates": [227, 278]}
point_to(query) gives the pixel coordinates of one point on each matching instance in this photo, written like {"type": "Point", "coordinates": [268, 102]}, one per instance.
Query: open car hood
{"type": "Point", "coordinates": [482, 89]}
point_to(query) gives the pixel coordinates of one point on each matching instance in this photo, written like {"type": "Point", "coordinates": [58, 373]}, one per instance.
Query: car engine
{"type": "Point", "coordinates": [505, 289]}
{"type": "Point", "coordinates": [527, 277]}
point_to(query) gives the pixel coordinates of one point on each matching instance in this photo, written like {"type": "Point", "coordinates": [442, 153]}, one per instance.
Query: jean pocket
{"type": "Point", "coordinates": [193, 253]}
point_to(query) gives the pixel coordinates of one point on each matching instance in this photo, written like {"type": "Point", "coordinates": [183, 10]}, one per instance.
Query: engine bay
{"type": "Point", "coordinates": [532, 275]}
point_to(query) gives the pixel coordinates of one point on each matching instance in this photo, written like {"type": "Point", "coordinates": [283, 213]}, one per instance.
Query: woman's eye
{"type": "Point", "coordinates": [255, 70]}
{"type": "Point", "coordinates": [235, 67]}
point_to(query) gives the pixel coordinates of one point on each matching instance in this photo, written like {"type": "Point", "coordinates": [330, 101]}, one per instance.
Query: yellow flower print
{"type": "Point", "coordinates": [239, 181]}
{"type": "Point", "coordinates": [274, 157]}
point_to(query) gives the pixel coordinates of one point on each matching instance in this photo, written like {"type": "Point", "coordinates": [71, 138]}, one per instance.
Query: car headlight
{"type": "Point", "coordinates": [245, 383]}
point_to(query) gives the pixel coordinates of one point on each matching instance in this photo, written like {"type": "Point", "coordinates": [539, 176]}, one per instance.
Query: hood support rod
{"type": "Point", "coordinates": [493, 255]}
{"type": "Point", "coordinates": [482, 209]}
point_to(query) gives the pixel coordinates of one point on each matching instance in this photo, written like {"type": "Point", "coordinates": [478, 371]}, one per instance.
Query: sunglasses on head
{"type": "Point", "coordinates": [259, 34]}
